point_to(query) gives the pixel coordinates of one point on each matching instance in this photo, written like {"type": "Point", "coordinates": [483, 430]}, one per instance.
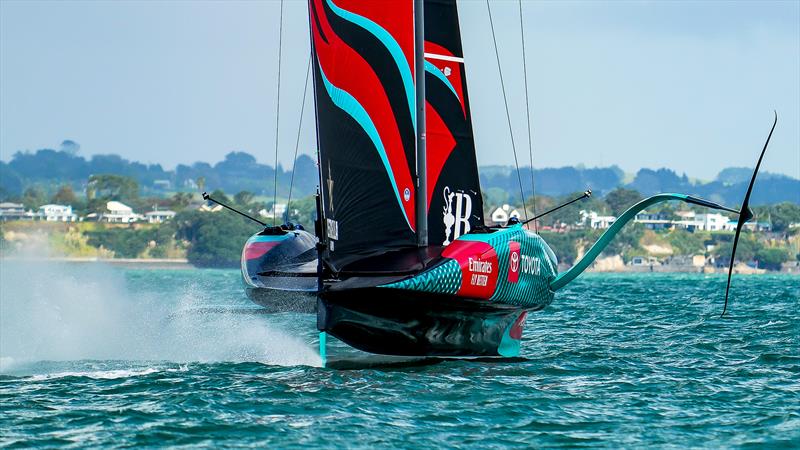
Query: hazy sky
{"type": "Point", "coordinates": [689, 86]}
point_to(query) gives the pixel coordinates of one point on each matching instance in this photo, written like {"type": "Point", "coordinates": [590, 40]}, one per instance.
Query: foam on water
{"type": "Point", "coordinates": [65, 312]}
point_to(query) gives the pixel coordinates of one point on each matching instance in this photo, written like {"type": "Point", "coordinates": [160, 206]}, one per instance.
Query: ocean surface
{"type": "Point", "coordinates": [105, 357]}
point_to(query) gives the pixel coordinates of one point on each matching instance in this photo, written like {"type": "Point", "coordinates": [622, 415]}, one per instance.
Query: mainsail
{"type": "Point", "coordinates": [455, 205]}
{"type": "Point", "coordinates": [363, 55]}
{"type": "Point", "coordinates": [365, 103]}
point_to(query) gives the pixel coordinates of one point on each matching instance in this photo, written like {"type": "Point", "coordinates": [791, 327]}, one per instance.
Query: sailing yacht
{"type": "Point", "coordinates": [403, 263]}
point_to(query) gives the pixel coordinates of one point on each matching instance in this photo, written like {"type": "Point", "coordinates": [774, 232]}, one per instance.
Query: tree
{"type": "Point", "coordinates": [219, 194]}
{"type": "Point", "coordinates": [180, 200]}
{"type": "Point", "coordinates": [746, 250]}
{"type": "Point", "coordinates": [215, 239]}
{"type": "Point", "coordinates": [65, 196]}
{"type": "Point", "coordinates": [563, 245]}
{"type": "Point", "coordinates": [124, 242]}
{"type": "Point", "coordinates": [10, 182]}
{"type": "Point", "coordinates": [201, 183]}
{"type": "Point", "coordinates": [627, 240]}
{"type": "Point", "coordinates": [112, 187]}
{"type": "Point", "coordinates": [243, 198]}
{"type": "Point", "coordinates": [34, 197]}
{"type": "Point", "coordinates": [306, 208]}
{"type": "Point", "coordinates": [782, 215]}
{"type": "Point", "coordinates": [621, 199]}
{"type": "Point", "coordinates": [686, 243]}
{"type": "Point", "coordinates": [771, 258]}
{"type": "Point", "coordinates": [70, 147]}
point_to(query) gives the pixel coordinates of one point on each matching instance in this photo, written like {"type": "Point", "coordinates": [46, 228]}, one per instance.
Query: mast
{"type": "Point", "coordinates": [421, 199]}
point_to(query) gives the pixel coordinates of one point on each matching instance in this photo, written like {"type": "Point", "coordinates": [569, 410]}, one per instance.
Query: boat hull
{"type": "Point", "coordinates": [279, 270]}
{"type": "Point", "coordinates": [471, 300]}
{"type": "Point", "coordinates": [398, 322]}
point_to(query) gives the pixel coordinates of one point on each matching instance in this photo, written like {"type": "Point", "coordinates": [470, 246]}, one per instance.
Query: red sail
{"type": "Point", "coordinates": [365, 99]}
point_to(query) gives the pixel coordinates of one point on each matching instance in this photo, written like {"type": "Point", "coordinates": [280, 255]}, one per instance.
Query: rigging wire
{"type": "Point", "coordinates": [528, 115]}
{"type": "Point", "coordinates": [297, 141]}
{"type": "Point", "coordinates": [508, 115]}
{"type": "Point", "coordinates": [277, 117]}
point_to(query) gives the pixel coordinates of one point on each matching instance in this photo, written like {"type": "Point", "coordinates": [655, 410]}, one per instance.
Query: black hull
{"type": "Point", "coordinates": [400, 322]}
{"type": "Point", "coordinates": [278, 300]}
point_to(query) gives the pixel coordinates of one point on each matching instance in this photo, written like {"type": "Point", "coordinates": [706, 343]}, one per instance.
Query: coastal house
{"type": "Point", "coordinates": [205, 207]}
{"type": "Point", "coordinates": [57, 213]}
{"type": "Point", "coordinates": [701, 222]}
{"type": "Point", "coordinates": [654, 221]}
{"type": "Point", "coordinates": [118, 213]}
{"type": "Point", "coordinates": [157, 216]}
{"type": "Point", "coordinates": [751, 226]}
{"type": "Point", "coordinates": [12, 211]}
{"type": "Point", "coordinates": [644, 261]}
{"type": "Point", "coordinates": [164, 185]}
{"type": "Point", "coordinates": [501, 214]}
{"type": "Point", "coordinates": [595, 221]}
{"type": "Point", "coordinates": [278, 210]}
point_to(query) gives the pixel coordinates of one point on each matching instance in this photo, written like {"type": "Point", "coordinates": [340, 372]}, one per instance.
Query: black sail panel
{"type": "Point", "coordinates": [455, 205]}
{"type": "Point", "coordinates": [363, 82]}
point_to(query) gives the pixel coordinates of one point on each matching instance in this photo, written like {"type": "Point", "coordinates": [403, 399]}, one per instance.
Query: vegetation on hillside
{"type": "Point", "coordinates": [49, 169]}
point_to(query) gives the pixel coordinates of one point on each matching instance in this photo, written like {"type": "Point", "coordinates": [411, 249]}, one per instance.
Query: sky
{"type": "Point", "coordinates": [689, 86]}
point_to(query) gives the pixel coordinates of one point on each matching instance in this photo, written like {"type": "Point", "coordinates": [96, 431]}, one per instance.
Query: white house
{"type": "Point", "coordinates": [119, 213]}
{"type": "Point", "coordinates": [205, 207]}
{"type": "Point", "coordinates": [654, 221]}
{"type": "Point", "coordinates": [159, 216]}
{"type": "Point", "coordinates": [12, 211]}
{"type": "Point", "coordinates": [752, 226]}
{"type": "Point", "coordinates": [702, 222]}
{"type": "Point", "coordinates": [596, 221]}
{"type": "Point", "coordinates": [57, 213]}
{"type": "Point", "coordinates": [501, 214]}
{"type": "Point", "coordinates": [278, 210]}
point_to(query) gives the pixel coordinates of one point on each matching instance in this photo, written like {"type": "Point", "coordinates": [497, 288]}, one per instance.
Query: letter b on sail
{"type": "Point", "coordinates": [457, 212]}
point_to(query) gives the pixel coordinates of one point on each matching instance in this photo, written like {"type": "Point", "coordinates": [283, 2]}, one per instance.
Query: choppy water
{"type": "Point", "coordinates": [93, 356]}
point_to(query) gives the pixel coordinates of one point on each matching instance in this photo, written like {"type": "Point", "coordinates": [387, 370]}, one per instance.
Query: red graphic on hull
{"type": "Point", "coordinates": [255, 250]}
{"type": "Point", "coordinates": [516, 330]}
{"type": "Point", "coordinates": [478, 261]}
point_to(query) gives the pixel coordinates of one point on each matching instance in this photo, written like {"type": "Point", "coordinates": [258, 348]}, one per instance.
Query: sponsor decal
{"type": "Point", "coordinates": [514, 262]}
{"type": "Point", "coordinates": [480, 271]}
{"type": "Point", "coordinates": [531, 265]}
{"type": "Point", "coordinates": [330, 188]}
{"type": "Point", "coordinates": [457, 211]}
{"type": "Point", "coordinates": [478, 262]}
{"type": "Point", "coordinates": [407, 194]}
{"type": "Point", "coordinates": [333, 229]}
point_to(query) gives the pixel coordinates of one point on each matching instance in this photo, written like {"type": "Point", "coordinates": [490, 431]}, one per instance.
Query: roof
{"type": "Point", "coordinates": [116, 206]}
{"type": "Point", "coordinates": [164, 212]}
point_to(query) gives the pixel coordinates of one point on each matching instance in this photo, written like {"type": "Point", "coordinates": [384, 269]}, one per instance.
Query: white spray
{"type": "Point", "coordinates": [74, 311]}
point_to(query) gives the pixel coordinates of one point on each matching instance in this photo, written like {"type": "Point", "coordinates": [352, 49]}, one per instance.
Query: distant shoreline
{"type": "Point", "coordinates": [150, 263]}
{"type": "Point", "coordinates": [182, 263]}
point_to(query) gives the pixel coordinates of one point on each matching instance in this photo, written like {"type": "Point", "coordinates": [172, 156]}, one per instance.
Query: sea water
{"type": "Point", "coordinates": [98, 356]}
